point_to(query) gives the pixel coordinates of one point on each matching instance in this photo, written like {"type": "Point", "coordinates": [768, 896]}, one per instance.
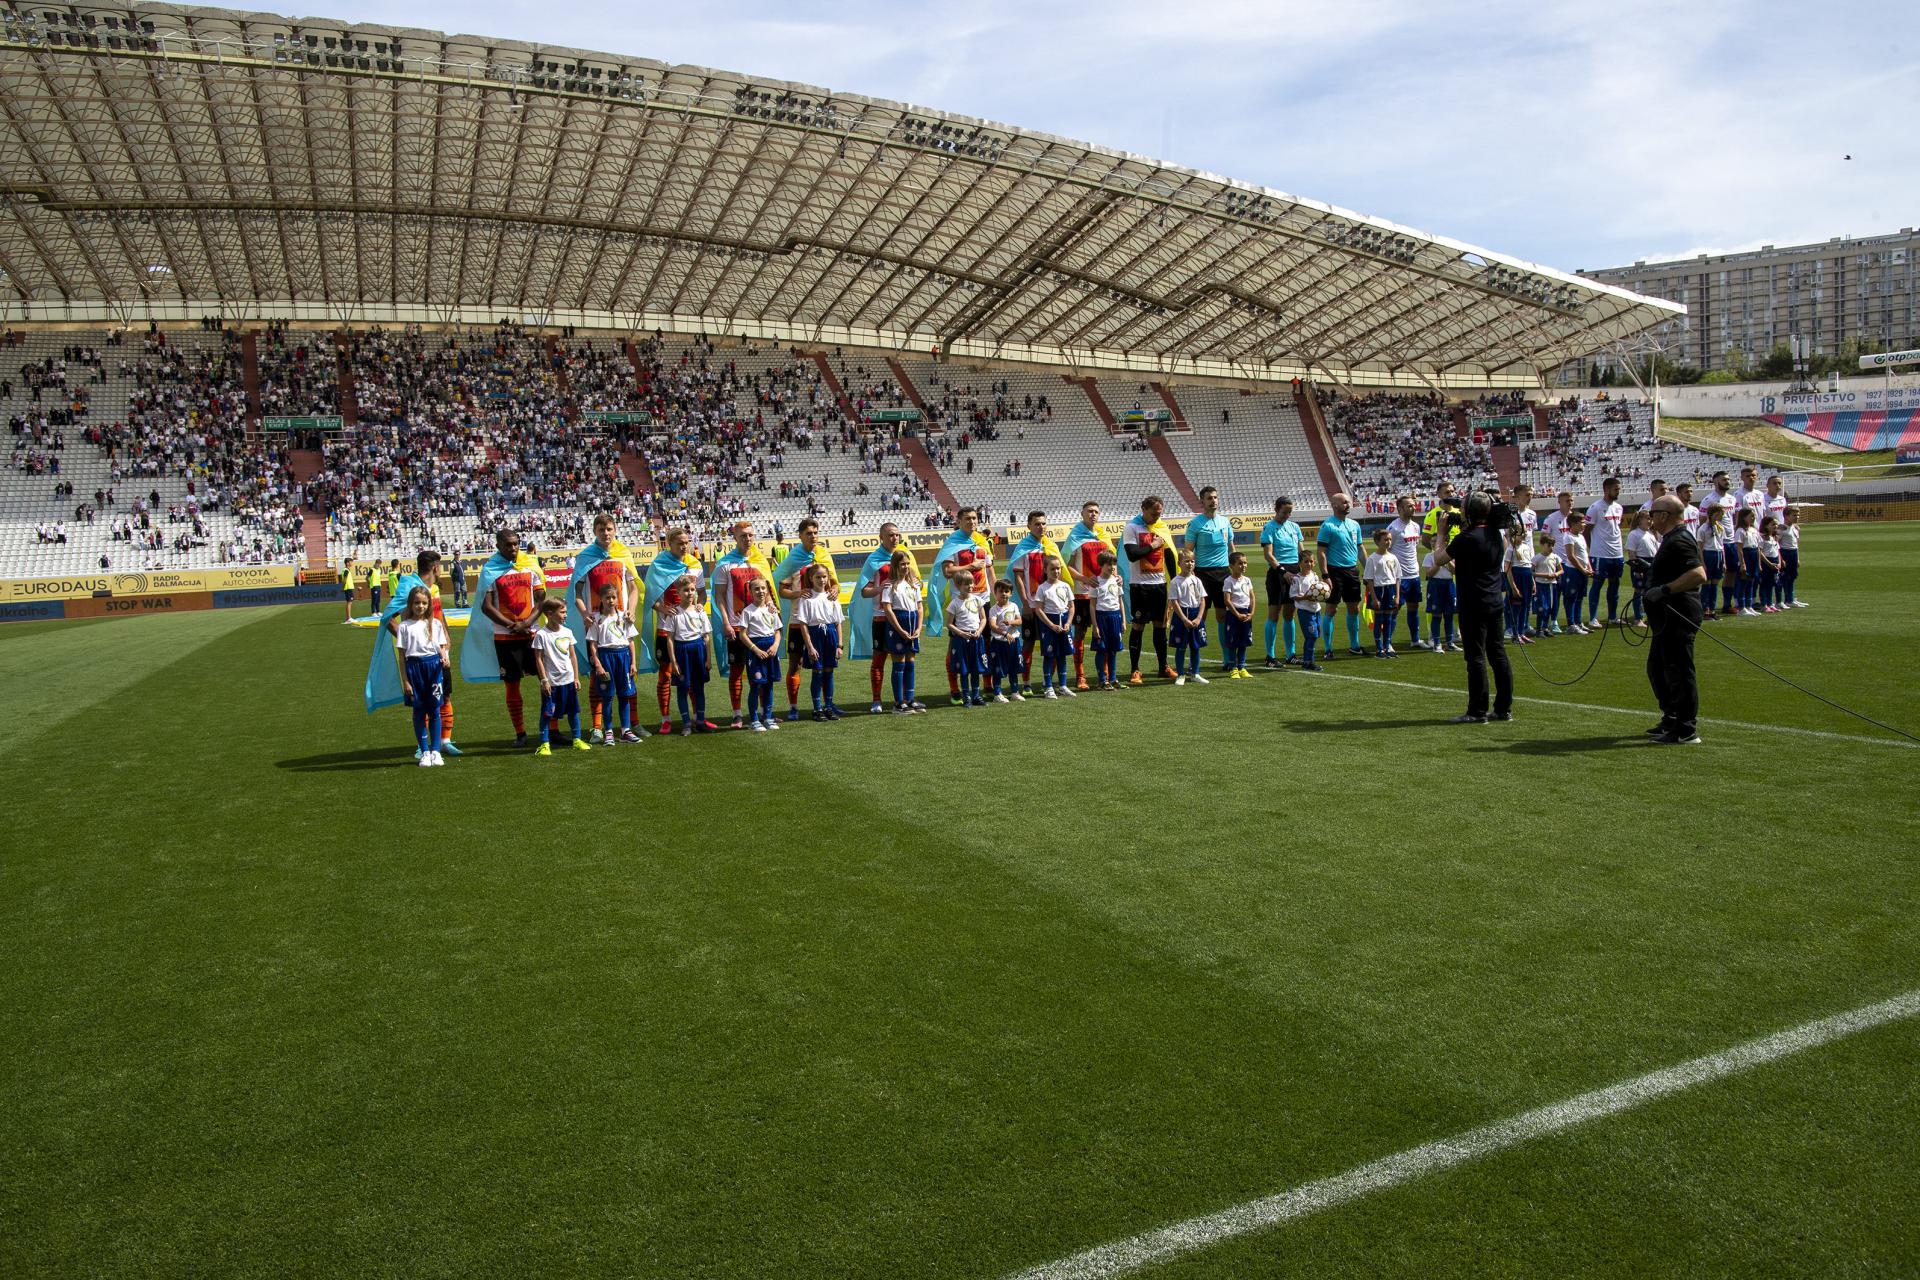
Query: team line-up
{"type": "Point", "coordinates": [1061, 600]}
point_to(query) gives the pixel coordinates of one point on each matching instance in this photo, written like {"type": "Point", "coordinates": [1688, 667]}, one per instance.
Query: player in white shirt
{"type": "Point", "coordinates": [1642, 546]}
{"type": "Point", "coordinates": [1607, 547]}
{"type": "Point", "coordinates": [1656, 490]}
{"type": "Point", "coordinates": [1689, 512]}
{"type": "Point", "coordinates": [421, 647]}
{"type": "Point", "coordinates": [1776, 502]}
{"type": "Point", "coordinates": [1404, 534]}
{"type": "Point", "coordinates": [559, 675]}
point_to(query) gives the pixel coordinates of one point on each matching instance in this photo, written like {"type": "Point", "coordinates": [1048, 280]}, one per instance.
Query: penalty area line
{"type": "Point", "coordinates": [1744, 725]}
{"type": "Point", "coordinates": [1167, 1243]}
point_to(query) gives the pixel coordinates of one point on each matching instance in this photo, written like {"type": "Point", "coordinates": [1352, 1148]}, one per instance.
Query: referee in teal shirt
{"type": "Point", "coordinates": [1338, 541]}
{"type": "Point", "coordinates": [1209, 540]}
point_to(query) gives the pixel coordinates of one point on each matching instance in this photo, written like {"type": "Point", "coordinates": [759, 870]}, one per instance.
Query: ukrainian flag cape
{"type": "Point", "coordinates": [583, 564]}
{"type": "Point", "coordinates": [936, 621]}
{"type": "Point", "coordinates": [665, 570]}
{"type": "Point", "coordinates": [1079, 536]}
{"type": "Point", "coordinates": [755, 559]}
{"type": "Point", "coordinates": [1045, 546]}
{"type": "Point", "coordinates": [796, 559]}
{"type": "Point", "coordinates": [860, 612]}
{"type": "Point", "coordinates": [478, 664]}
{"type": "Point", "coordinates": [383, 669]}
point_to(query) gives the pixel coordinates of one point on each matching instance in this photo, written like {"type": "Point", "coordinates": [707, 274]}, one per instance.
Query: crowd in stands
{"type": "Point", "coordinates": [1391, 444]}
{"type": "Point", "coordinates": [463, 424]}
{"type": "Point", "coordinates": [299, 374]}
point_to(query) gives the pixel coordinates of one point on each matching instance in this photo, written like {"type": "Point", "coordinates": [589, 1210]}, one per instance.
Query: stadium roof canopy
{"type": "Point", "coordinates": [168, 163]}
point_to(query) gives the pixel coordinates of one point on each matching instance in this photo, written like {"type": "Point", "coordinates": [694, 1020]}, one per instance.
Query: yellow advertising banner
{"type": "Point", "coordinates": [153, 582]}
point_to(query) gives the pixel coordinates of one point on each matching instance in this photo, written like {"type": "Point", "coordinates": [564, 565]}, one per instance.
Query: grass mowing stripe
{"type": "Point", "coordinates": [1181, 1238]}
{"type": "Point", "coordinates": [1642, 712]}
{"type": "Point", "coordinates": [95, 663]}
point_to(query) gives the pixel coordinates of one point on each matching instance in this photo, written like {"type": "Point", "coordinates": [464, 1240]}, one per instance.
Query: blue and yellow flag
{"type": "Point", "coordinates": [936, 623]}
{"type": "Point", "coordinates": [754, 558]}
{"type": "Point", "coordinates": [478, 662]}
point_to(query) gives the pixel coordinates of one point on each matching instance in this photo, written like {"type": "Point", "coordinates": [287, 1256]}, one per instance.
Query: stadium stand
{"type": "Point", "coordinates": [1391, 444]}
{"type": "Point", "coordinates": [132, 452]}
{"type": "Point", "coordinates": [1253, 448]}
{"type": "Point", "coordinates": [1856, 429]}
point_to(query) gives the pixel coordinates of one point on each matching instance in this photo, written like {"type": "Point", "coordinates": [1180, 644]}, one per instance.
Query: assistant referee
{"type": "Point", "coordinates": [1672, 601]}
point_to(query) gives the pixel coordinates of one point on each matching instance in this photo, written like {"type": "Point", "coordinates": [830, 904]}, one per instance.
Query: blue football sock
{"type": "Point", "coordinates": [1273, 628]}
{"type": "Point", "coordinates": [1289, 632]}
{"type": "Point", "coordinates": [1353, 631]}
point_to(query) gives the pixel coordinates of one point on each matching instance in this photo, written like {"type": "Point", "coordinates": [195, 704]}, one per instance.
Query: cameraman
{"type": "Point", "coordinates": [1478, 557]}
{"type": "Point", "coordinates": [1672, 600]}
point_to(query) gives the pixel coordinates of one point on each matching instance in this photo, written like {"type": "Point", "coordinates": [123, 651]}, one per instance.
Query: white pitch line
{"type": "Point", "coordinates": [1745, 725]}
{"type": "Point", "coordinates": [1194, 1234]}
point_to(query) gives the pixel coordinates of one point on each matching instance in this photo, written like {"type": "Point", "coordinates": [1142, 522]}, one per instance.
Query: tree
{"type": "Point", "coordinates": [1778, 363]}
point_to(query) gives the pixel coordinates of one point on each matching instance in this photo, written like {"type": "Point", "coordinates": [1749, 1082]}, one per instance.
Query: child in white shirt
{"type": "Point", "coordinates": [816, 615]}
{"type": "Point", "coordinates": [1310, 592]}
{"type": "Point", "coordinates": [1547, 571]}
{"type": "Point", "coordinates": [420, 645]}
{"type": "Point", "coordinates": [1003, 644]}
{"type": "Point", "coordinates": [559, 676]}
{"type": "Point", "coordinates": [1053, 606]}
{"type": "Point", "coordinates": [692, 659]}
{"type": "Point", "coordinates": [1383, 593]}
{"type": "Point", "coordinates": [1187, 598]}
{"type": "Point", "coordinates": [760, 633]}
{"type": "Point", "coordinates": [1236, 618]}
{"type": "Point", "coordinates": [1440, 605]}
{"type": "Point", "coordinates": [967, 641]}
{"type": "Point", "coordinates": [1109, 595]}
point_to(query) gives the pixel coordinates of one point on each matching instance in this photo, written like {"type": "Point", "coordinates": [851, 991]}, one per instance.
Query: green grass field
{"type": "Point", "coordinates": [954, 995]}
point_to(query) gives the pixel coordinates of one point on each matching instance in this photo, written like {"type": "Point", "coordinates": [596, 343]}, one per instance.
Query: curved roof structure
{"type": "Point", "coordinates": [168, 163]}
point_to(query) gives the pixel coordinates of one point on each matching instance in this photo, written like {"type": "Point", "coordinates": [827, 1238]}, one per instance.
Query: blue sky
{"type": "Point", "coordinates": [1578, 135]}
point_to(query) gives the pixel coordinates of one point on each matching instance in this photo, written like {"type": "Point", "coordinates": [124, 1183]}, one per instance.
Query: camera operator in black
{"type": "Point", "coordinates": [1672, 601]}
{"type": "Point", "coordinates": [1478, 557]}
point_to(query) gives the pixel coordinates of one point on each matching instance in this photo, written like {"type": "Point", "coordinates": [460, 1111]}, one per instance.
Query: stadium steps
{"type": "Point", "coordinates": [633, 465]}
{"type": "Point", "coordinates": [250, 378]}
{"type": "Point", "coordinates": [349, 402]}
{"type": "Point", "coordinates": [1173, 406]}
{"type": "Point", "coordinates": [1461, 427]}
{"type": "Point", "coordinates": [1542, 422]}
{"type": "Point", "coordinates": [1162, 451]}
{"type": "Point", "coordinates": [923, 466]}
{"type": "Point", "coordinates": [304, 464]}
{"type": "Point", "coordinates": [1100, 409]}
{"type": "Point", "coordinates": [1506, 464]}
{"type": "Point", "coordinates": [906, 385]}
{"type": "Point", "coordinates": [825, 366]}
{"type": "Point", "coordinates": [1319, 439]}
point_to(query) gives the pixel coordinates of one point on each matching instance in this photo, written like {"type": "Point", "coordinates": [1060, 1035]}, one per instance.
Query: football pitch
{"type": "Point", "coordinates": [963, 994]}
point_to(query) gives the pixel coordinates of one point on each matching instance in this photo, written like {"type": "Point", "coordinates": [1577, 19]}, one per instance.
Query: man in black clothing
{"type": "Point", "coordinates": [1672, 601]}
{"type": "Point", "coordinates": [1478, 557]}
